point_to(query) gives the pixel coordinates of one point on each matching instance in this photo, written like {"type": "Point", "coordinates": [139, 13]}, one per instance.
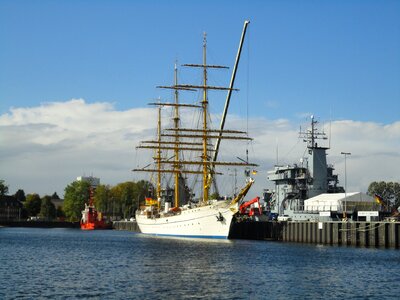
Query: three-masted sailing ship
{"type": "Point", "coordinates": [184, 216]}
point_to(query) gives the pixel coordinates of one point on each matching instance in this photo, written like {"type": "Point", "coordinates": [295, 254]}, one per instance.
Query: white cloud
{"type": "Point", "coordinates": [375, 150]}
{"type": "Point", "coordinates": [44, 148]}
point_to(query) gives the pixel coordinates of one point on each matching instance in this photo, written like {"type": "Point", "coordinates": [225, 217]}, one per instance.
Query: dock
{"type": "Point", "coordinates": [356, 234]}
{"type": "Point", "coordinates": [126, 225]}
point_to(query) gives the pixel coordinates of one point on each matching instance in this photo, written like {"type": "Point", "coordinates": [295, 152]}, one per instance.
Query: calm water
{"type": "Point", "coordinates": [74, 264]}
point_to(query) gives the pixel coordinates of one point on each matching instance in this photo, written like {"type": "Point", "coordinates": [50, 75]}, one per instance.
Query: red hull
{"type": "Point", "coordinates": [92, 220]}
{"type": "Point", "coordinates": [95, 225]}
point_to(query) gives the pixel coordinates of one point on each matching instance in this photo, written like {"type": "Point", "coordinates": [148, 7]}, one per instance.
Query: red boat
{"type": "Point", "coordinates": [91, 219]}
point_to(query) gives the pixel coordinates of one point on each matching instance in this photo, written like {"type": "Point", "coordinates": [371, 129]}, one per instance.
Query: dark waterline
{"type": "Point", "coordinates": [74, 264]}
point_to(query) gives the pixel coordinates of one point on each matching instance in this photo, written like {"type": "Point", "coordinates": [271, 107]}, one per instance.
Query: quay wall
{"type": "Point", "coordinates": [357, 234]}
{"type": "Point", "coordinates": [257, 231]}
{"type": "Point", "coordinates": [126, 225]}
{"type": "Point", "coordinates": [40, 224]}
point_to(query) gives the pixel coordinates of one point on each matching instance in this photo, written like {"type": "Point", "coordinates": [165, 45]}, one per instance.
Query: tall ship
{"type": "Point", "coordinates": [187, 152]}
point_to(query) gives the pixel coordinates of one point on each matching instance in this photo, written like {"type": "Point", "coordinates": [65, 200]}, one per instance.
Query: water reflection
{"type": "Point", "coordinates": [74, 264]}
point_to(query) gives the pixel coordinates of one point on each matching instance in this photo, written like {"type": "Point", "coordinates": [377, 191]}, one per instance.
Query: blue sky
{"type": "Point", "coordinates": [337, 59]}
{"type": "Point", "coordinates": [76, 77]}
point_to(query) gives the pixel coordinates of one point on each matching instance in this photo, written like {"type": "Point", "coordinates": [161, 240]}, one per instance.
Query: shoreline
{"type": "Point", "coordinates": [40, 224]}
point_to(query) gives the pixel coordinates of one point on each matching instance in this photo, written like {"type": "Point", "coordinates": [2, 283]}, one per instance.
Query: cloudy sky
{"type": "Point", "coordinates": [76, 77]}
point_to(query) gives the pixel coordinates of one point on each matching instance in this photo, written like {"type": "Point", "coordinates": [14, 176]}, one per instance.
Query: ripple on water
{"type": "Point", "coordinates": [74, 264]}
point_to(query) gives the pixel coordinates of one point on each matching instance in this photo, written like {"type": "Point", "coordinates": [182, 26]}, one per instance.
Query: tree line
{"type": "Point", "coordinates": [33, 205]}
{"type": "Point", "coordinates": [388, 191]}
{"type": "Point", "coordinates": [123, 199]}
{"type": "Point", "coordinates": [114, 202]}
{"type": "Point", "coordinates": [42, 207]}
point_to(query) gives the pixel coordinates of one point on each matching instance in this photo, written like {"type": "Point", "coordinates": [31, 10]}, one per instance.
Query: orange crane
{"type": "Point", "coordinates": [253, 209]}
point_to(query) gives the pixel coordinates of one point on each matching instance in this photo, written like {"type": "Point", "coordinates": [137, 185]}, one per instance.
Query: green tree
{"type": "Point", "coordinates": [121, 200]}
{"type": "Point", "coordinates": [214, 196]}
{"type": "Point", "coordinates": [125, 197]}
{"type": "Point", "coordinates": [3, 188]}
{"type": "Point", "coordinates": [33, 204]}
{"type": "Point", "coordinates": [116, 197]}
{"type": "Point", "coordinates": [141, 190]}
{"type": "Point", "coordinates": [102, 199]}
{"type": "Point", "coordinates": [20, 195]}
{"type": "Point", "coordinates": [47, 209]}
{"type": "Point", "coordinates": [76, 195]}
{"type": "Point", "coordinates": [389, 191]}
{"type": "Point", "coordinates": [60, 213]}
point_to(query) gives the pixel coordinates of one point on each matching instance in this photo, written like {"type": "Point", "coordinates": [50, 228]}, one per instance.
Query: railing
{"type": "Point", "coordinates": [315, 209]}
{"type": "Point", "coordinates": [339, 208]}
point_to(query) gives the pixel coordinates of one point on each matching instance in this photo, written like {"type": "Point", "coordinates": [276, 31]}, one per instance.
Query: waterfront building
{"type": "Point", "coordinates": [10, 208]}
{"type": "Point", "coordinates": [94, 181]}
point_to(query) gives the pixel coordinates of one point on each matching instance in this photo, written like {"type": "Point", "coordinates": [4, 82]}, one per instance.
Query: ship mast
{"type": "Point", "coordinates": [310, 136]}
{"type": "Point", "coordinates": [316, 162]}
{"type": "Point", "coordinates": [203, 135]}
{"type": "Point", "coordinates": [176, 148]}
{"type": "Point", "coordinates": [204, 104]}
{"type": "Point", "coordinates": [206, 134]}
{"type": "Point", "coordinates": [158, 158]}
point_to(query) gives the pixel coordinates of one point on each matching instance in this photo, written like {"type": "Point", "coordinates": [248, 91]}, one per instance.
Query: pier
{"type": "Point", "coordinates": [357, 234]}
{"type": "Point", "coordinates": [126, 225]}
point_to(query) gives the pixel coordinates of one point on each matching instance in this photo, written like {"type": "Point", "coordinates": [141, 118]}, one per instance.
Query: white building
{"type": "Point", "coordinates": [94, 181]}
{"type": "Point", "coordinates": [338, 202]}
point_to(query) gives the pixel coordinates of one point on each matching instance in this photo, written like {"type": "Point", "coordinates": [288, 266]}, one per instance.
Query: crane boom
{"type": "Point", "coordinates": [228, 95]}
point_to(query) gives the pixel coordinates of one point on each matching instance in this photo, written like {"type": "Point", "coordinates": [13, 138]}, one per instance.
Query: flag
{"type": "Point", "coordinates": [379, 199]}
{"type": "Point", "coordinates": [150, 201]}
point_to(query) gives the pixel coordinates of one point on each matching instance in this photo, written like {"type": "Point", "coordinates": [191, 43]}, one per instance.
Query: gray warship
{"type": "Point", "coordinates": [310, 191]}
{"type": "Point", "coordinates": [311, 177]}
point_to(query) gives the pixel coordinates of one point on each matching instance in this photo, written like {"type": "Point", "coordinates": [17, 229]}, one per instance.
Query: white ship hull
{"type": "Point", "coordinates": [210, 221]}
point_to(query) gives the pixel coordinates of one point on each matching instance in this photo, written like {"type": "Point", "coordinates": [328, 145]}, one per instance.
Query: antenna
{"type": "Point", "coordinates": [330, 127]}
{"type": "Point", "coordinates": [311, 135]}
{"type": "Point", "coordinates": [330, 133]}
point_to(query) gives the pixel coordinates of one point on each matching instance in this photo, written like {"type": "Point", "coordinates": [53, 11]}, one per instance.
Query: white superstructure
{"type": "Point", "coordinates": [337, 202]}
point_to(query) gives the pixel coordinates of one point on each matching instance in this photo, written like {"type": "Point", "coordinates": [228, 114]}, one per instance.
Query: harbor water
{"type": "Point", "coordinates": [74, 264]}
